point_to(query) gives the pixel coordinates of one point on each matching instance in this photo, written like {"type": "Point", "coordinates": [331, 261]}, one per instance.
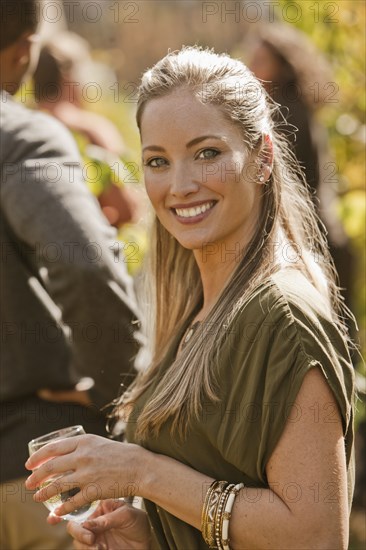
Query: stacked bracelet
{"type": "Point", "coordinates": [209, 511]}
{"type": "Point", "coordinates": [219, 513]}
{"type": "Point", "coordinates": [216, 513]}
{"type": "Point", "coordinates": [227, 515]}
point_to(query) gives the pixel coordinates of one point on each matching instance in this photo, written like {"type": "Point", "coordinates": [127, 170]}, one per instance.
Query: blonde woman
{"type": "Point", "coordinates": [240, 431]}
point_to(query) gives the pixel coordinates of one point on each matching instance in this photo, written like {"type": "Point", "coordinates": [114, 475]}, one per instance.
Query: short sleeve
{"type": "Point", "coordinates": [275, 340]}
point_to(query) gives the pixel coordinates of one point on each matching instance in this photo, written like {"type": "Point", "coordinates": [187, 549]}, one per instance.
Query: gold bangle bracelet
{"type": "Point", "coordinates": [209, 511]}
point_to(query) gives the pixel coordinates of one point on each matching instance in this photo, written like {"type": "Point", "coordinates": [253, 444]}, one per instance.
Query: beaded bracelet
{"type": "Point", "coordinates": [226, 516]}
{"type": "Point", "coordinates": [219, 513]}
{"type": "Point", "coordinates": [216, 513]}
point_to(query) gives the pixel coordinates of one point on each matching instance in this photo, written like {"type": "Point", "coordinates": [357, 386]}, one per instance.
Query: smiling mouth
{"type": "Point", "coordinates": [194, 211]}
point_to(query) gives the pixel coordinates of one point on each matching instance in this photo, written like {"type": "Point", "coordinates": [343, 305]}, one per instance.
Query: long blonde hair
{"type": "Point", "coordinates": [287, 213]}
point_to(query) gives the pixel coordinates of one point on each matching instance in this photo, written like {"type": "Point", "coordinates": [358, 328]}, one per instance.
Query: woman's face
{"type": "Point", "coordinates": [198, 174]}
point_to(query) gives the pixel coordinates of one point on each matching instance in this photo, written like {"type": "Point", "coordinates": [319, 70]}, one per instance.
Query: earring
{"type": "Point", "coordinates": [261, 178]}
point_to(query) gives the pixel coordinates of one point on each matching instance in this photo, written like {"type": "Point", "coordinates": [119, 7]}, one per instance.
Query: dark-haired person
{"type": "Point", "coordinates": [300, 80]}
{"type": "Point", "coordinates": [240, 432]}
{"type": "Point", "coordinates": [63, 57]}
{"type": "Point", "coordinates": [67, 303]}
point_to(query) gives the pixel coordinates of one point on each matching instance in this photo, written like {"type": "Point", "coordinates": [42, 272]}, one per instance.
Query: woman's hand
{"type": "Point", "coordinates": [98, 467]}
{"type": "Point", "coordinates": [115, 525]}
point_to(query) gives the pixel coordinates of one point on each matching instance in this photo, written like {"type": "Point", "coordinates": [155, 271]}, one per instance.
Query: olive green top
{"type": "Point", "coordinates": [280, 333]}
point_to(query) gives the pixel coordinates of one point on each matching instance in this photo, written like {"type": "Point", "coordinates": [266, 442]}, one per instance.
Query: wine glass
{"type": "Point", "coordinates": [54, 502]}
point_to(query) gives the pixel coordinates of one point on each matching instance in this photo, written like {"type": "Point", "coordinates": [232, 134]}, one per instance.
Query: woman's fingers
{"type": "Point", "coordinates": [118, 518]}
{"type": "Point", "coordinates": [67, 487]}
{"type": "Point", "coordinates": [81, 546]}
{"type": "Point", "coordinates": [84, 539]}
{"type": "Point", "coordinates": [52, 469]}
{"type": "Point", "coordinates": [109, 505]}
{"type": "Point", "coordinates": [74, 498]}
{"type": "Point", "coordinates": [80, 463]}
{"type": "Point", "coordinates": [56, 448]}
{"type": "Point", "coordinates": [80, 534]}
{"type": "Point", "coordinates": [74, 492]}
{"type": "Point", "coordinates": [53, 520]}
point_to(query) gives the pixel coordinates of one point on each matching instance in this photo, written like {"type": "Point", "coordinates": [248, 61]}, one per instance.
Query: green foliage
{"type": "Point", "coordinates": [337, 29]}
{"type": "Point", "coordinates": [343, 43]}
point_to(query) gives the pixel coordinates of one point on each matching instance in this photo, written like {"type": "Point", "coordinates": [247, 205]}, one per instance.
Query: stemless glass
{"type": "Point", "coordinates": [82, 513]}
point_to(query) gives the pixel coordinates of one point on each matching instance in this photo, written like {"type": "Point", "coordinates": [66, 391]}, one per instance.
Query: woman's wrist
{"type": "Point", "coordinates": [173, 486]}
{"type": "Point", "coordinates": [145, 472]}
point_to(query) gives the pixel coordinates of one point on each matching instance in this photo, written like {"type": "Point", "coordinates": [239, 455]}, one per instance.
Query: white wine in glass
{"type": "Point", "coordinates": [82, 513]}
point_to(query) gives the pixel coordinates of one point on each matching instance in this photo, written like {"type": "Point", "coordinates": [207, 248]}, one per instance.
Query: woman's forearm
{"type": "Point", "coordinates": [175, 487]}
{"type": "Point", "coordinates": [260, 518]}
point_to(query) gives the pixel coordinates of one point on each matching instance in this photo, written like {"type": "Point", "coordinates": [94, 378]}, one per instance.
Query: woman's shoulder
{"type": "Point", "coordinates": [286, 310]}
{"type": "Point", "coordinates": [300, 294]}
{"type": "Point", "coordinates": [286, 328]}
{"type": "Point", "coordinates": [285, 293]}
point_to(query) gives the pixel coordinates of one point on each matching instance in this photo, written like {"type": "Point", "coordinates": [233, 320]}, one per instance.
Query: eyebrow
{"type": "Point", "coordinates": [202, 138]}
{"type": "Point", "coordinates": [191, 143]}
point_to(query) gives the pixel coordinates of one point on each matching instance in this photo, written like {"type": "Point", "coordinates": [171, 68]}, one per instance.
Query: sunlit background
{"type": "Point", "coordinates": [126, 37]}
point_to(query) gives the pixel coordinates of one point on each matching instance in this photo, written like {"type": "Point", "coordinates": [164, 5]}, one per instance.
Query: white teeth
{"type": "Point", "coordinates": [192, 212]}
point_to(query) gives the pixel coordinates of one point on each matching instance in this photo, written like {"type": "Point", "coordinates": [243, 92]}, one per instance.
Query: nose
{"type": "Point", "coordinates": [183, 182]}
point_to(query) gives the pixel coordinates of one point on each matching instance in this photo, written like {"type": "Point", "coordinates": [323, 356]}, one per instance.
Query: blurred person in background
{"type": "Point", "coordinates": [299, 79]}
{"type": "Point", "coordinates": [59, 80]}
{"type": "Point", "coordinates": [67, 302]}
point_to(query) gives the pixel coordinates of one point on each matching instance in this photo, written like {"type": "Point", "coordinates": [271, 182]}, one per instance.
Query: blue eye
{"type": "Point", "coordinates": [208, 154]}
{"type": "Point", "coordinates": [156, 162]}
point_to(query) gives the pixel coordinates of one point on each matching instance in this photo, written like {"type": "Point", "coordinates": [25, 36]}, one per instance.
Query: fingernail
{"type": "Point", "coordinates": [36, 497]}
{"type": "Point", "coordinates": [89, 524]}
{"type": "Point", "coordinates": [88, 539]}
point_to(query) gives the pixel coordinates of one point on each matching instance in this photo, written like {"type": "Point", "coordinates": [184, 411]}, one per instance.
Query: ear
{"type": "Point", "coordinates": [265, 159]}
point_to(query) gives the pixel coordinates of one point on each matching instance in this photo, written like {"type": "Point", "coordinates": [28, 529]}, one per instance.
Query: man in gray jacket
{"type": "Point", "coordinates": [67, 302]}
